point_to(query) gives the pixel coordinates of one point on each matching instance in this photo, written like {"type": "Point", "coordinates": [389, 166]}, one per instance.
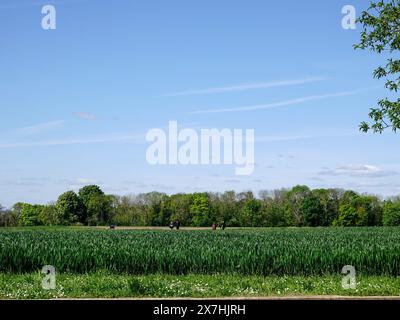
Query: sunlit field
{"type": "Point", "coordinates": [94, 262]}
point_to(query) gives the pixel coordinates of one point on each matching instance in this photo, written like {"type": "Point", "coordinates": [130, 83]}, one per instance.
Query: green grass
{"type": "Point", "coordinates": [293, 251]}
{"type": "Point", "coordinates": [106, 285]}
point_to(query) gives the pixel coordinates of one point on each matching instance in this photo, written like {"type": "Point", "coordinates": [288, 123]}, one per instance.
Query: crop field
{"type": "Point", "coordinates": [258, 252]}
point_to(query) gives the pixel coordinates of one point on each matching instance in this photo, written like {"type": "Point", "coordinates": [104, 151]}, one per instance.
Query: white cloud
{"type": "Point", "coordinates": [86, 181]}
{"type": "Point", "coordinates": [358, 170]}
{"type": "Point", "coordinates": [281, 103]}
{"type": "Point", "coordinates": [74, 141]}
{"type": "Point", "coordinates": [292, 137]}
{"type": "Point", "coordinates": [41, 127]}
{"type": "Point", "coordinates": [246, 86]}
{"type": "Point", "coordinates": [233, 181]}
{"type": "Point", "coordinates": [283, 138]}
{"type": "Point", "coordinates": [14, 5]}
{"type": "Point", "coordinates": [85, 115]}
{"type": "Point", "coordinates": [78, 183]}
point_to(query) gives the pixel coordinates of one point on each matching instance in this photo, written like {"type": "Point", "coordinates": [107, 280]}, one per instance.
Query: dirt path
{"type": "Point", "coordinates": [152, 228]}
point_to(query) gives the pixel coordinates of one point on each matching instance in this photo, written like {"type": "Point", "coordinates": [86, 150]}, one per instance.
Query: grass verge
{"type": "Point", "coordinates": [107, 285]}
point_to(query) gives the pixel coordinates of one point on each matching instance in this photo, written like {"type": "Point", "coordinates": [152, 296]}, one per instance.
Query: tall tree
{"type": "Point", "coordinates": [98, 206]}
{"type": "Point", "coordinates": [70, 208]}
{"type": "Point", "coordinates": [200, 210]}
{"type": "Point", "coordinates": [49, 215]}
{"type": "Point", "coordinates": [7, 218]}
{"type": "Point", "coordinates": [381, 34]}
{"type": "Point", "coordinates": [391, 213]}
{"type": "Point", "coordinates": [295, 199]}
{"type": "Point", "coordinates": [88, 192]}
{"type": "Point", "coordinates": [313, 212]}
{"type": "Point", "coordinates": [99, 209]}
{"type": "Point", "coordinates": [30, 214]}
{"type": "Point", "coordinates": [251, 213]}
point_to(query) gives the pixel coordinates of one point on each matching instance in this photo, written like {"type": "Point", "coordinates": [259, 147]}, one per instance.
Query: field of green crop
{"type": "Point", "coordinates": [318, 251]}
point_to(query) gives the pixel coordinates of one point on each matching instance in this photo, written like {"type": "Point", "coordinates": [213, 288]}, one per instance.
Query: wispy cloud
{"type": "Point", "coordinates": [23, 182]}
{"type": "Point", "coordinates": [78, 183]}
{"type": "Point", "coordinates": [151, 186]}
{"type": "Point", "coordinates": [233, 181]}
{"type": "Point", "coordinates": [75, 141]}
{"type": "Point", "coordinates": [16, 5]}
{"type": "Point", "coordinates": [282, 138]}
{"type": "Point", "coordinates": [85, 115]}
{"type": "Point", "coordinates": [83, 181]}
{"type": "Point", "coordinates": [293, 137]}
{"type": "Point", "coordinates": [282, 103]}
{"type": "Point", "coordinates": [41, 127]}
{"type": "Point", "coordinates": [358, 170]}
{"type": "Point", "coordinates": [246, 86]}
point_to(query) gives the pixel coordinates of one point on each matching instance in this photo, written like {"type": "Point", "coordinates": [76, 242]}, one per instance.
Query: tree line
{"type": "Point", "coordinates": [296, 207]}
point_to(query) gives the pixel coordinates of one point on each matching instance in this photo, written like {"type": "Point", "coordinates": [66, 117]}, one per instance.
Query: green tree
{"type": "Point", "coordinates": [381, 34]}
{"type": "Point", "coordinates": [229, 209]}
{"type": "Point", "coordinates": [29, 215]}
{"type": "Point", "coordinates": [370, 208]}
{"type": "Point", "coordinates": [251, 213]}
{"type": "Point", "coordinates": [16, 209]}
{"type": "Point", "coordinates": [49, 215]}
{"type": "Point", "coordinates": [272, 209]}
{"type": "Point", "coordinates": [99, 209]}
{"type": "Point", "coordinates": [164, 217]}
{"type": "Point", "coordinates": [70, 209]}
{"type": "Point", "coordinates": [313, 212]}
{"type": "Point", "coordinates": [347, 216]}
{"type": "Point", "coordinates": [329, 200]}
{"type": "Point", "coordinates": [294, 204]}
{"type": "Point", "coordinates": [391, 213]}
{"type": "Point", "coordinates": [153, 208]}
{"type": "Point", "coordinates": [7, 218]}
{"type": "Point", "coordinates": [180, 206]}
{"type": "Point", "coordinates": [98, 206]}
{"type": "Point", "coordinates": [357, 210]}
{"type": "Point", "coordinates": [200, 210]}
{"type": "Point", "coordinates": [126, 212]}
{"type": "Point", "coordinates": [88, 192]}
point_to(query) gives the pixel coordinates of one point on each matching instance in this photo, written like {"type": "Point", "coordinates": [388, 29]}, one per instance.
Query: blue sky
{"type": "Point", "coordinates": [76, 102]}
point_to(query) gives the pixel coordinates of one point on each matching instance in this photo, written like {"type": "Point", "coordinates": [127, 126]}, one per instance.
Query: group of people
{"type": "Point", "coordinates": [222, 226]}
{"type": "Point", "coordinates": [176, 224]}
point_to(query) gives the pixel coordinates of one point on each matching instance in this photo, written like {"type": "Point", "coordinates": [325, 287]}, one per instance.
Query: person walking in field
{"type": "Point", "coordinates": [175, 224]}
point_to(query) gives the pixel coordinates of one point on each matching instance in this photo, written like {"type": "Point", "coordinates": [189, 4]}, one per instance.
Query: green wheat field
{"type": "Point", "coordinates": [91, 262]}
